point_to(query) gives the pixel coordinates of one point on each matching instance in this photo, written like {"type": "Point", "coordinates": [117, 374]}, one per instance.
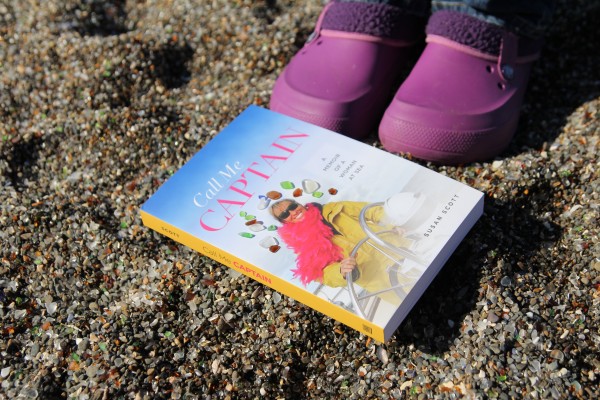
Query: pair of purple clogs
{"type": "Point", "coordinates": [459, 104]}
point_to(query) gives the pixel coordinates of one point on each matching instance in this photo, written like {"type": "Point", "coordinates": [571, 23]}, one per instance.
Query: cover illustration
{"type": "Point", "coordinates": [350, 230]}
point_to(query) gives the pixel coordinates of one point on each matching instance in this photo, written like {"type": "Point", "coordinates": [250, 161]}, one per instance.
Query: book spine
{"type": "Point", "coordinates": [322, 305]}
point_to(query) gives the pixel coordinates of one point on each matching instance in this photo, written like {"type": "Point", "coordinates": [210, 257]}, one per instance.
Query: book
{"type": "Point", "coordinates": [350, 230]}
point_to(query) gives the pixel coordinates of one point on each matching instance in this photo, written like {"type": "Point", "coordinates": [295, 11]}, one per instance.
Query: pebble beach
{"type": "Point", "coordinates": [102, 101]}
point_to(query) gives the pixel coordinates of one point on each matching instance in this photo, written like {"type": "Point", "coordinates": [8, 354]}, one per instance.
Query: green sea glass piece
{"type": "Point", "coordinates": [317, 194]}
{"type": "Point", "coordinates": [243, 213]}
{"type": "Point", "coordinates": [246, 235]}
{"type": "Point", "coordinates": [250, 217]}
{"type": "Point", "coordinates": [287, 185]}
{"type": "Point", "coordinates": [272, 228]}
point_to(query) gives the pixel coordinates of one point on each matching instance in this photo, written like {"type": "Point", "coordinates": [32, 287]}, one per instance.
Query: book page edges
{"type": "Point", "coordinates": [260, 275]}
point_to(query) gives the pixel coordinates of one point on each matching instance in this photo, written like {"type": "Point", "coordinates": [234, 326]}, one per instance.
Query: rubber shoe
{"type": "Point", "coordinates": [345, 75]}
{"type": "Point", "coordinates": [461, 101]}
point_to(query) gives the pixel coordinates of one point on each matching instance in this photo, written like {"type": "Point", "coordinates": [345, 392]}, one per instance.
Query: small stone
{"type": "Point", "coordinates": [557, 355]}
{"type": "Point", "coordinates": [287, 185]}
{"type": "Point", "coordinates": [497, 164]}
{"type": "Point", "coordinates": [506, 281]}
{"type": "Point", "coordinates": [51, 307]}
{"type": "Point", "coordinates": [535, 366]}
{"type": "Point", "coordinates": [73, 366]}
{"type": "Point", "coordinates": [492, 317]}
{"type": "Point", "coordinates": [382, 355]}
{"type": "Point", "coordinates": [215, 366]}
{"type": "Point", "coordinates": [35, 348]}
{"type": "Point", "coordinates": [29, 393]}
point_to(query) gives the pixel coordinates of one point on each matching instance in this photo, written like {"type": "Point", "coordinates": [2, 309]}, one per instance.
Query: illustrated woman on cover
{"type": "Point", "coordinates": [323, 236]}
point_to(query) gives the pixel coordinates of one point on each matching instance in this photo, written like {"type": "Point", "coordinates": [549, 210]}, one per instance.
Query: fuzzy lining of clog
{"type": "Point", "coordinates": [381, 20]}
{"type": "Point", "coordinates": [475, 33]}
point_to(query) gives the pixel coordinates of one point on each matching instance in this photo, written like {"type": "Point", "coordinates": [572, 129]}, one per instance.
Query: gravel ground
{"type": "Point", "coordinates": [100, 101]}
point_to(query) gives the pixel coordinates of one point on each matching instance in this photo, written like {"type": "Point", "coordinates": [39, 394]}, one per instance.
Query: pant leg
{"type": "Point", "coordinates": [529, 18]}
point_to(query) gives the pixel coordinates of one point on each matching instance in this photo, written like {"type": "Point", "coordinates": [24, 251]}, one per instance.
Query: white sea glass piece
{"type": "Point", "coordinates": [263, 202]}
{"type": "Point", "coordinates": [268, 242]}
{"type": "Point", "coordinates": [310, 186]}
{"type": "Point", "coordinates": [257, 227]}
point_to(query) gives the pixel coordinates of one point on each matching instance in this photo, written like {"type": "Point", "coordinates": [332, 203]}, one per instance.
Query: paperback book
{"type": "Point", "coordinates": [350, 230]}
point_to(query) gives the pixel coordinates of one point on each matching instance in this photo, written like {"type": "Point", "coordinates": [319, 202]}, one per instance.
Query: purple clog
{"type": "Point", "coordinates": [461, 102]}
{"type": "Point", "coordinates": [344, 76]}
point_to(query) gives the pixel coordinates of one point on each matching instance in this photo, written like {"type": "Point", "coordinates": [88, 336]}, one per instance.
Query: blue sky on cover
{"type": "Point", "coordinates": [242, 140]}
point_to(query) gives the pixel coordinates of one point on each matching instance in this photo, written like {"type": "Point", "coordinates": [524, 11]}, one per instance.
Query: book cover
{"type": "Point", "coordinates": [345, 228]}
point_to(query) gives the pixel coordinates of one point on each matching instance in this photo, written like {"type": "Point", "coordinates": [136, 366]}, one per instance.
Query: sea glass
{"type": "Point", "coordinates": [310, 186]}
{"type": "Point", "coordinates": [268, 242]}
{"type": "Point", "coordinates": [274, 195]}
{"type": "Point", "coordinates": [287, 185]}
{"type": "Point", "coordinates": [263, 202]}
{"type": "Point", "coordinates": [257, 227]}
